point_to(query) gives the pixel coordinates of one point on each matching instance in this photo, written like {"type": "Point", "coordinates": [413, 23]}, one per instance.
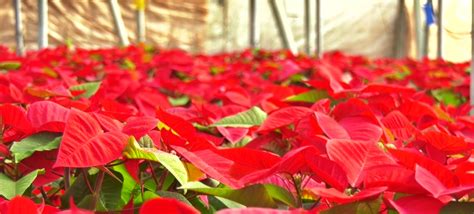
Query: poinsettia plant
{"type": "Point", "coordinates": [146, 130]}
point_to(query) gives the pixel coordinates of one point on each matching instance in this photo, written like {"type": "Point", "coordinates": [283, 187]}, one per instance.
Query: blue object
{"type": "Point", "coordinates": [429, 12]}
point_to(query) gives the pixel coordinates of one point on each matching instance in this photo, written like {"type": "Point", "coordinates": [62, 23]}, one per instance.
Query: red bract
{"type": "Point", "coordinates": [47, 116]}
{"type": "Point", "coordinates": [84, 143]}
{"type": "Point", "coordinates": [125, 129]}
{"type": "Point", "coordinates": [164, 205]}
{"type": "Point", "coordinates": [283, 117]}
{"type": "Point", "coordinates": [364, 155]}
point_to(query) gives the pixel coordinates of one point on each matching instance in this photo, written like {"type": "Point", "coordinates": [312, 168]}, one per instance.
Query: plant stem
{"type": "Point", "coordinates": [44, 195]}
{"type": "Point", "coordinates": [97, 187]}
{"type": "Point", "coordinates": [67, 178]}
{"type": "Point", "coordinates": [162, 179]}
{"type": "Point", "coordinates": [153, 175]}
{"type": "Point", "coordinates": [298, 191]}
{"type": "Point", "coordinates": [84, 175]}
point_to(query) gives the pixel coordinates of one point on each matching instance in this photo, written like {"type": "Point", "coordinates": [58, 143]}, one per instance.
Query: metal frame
{"type": "Point", "coordinates": [254, 31]}
{"type": "Point", "coordinates": [118, 23]}
{"type": "Point", "coordinates": [319, 39]}
{"type": "Point", "coordinates": [141, 21]}
{"type": "Point", "coordinates": [20, 45]}
{"type": "Point", "coordinates": [418, 29]}
{"type": "Point", "coordinates": [283, 25]}
{"type": "Point", "coordinates": [426, 35]}
{"type": "Point", "coordinates": [440, 29]}
{"type": "Point", "coordinates": [471, 86]}
{"type": "Point", "coordinates": [43, 24]}
{"type": "Point", "coordinates": [307, 26]}
{"type": "Point", "coordinates": [399, 48]}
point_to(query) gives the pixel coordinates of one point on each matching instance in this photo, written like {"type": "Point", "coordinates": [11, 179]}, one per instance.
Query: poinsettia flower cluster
{"type": "Point", "coordinates": [140, 128]}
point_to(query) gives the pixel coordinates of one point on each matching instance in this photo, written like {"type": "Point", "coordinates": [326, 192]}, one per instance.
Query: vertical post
{"type": "Point", "coordinates": [440, 29]}
{"type": "Point", "coordinates": [18, 28]}
{"type": "Point", "coordinates": [319, 39]}
{"type": "Point", "coordinates": [418, 30]}
{"type": "Point", "coordinates": [254, 30]}
{"type": "Point", "coordinates": [140, 16]}
{"type": "Point", "coordinates": [283, 25]}
{"type": "Point", "coordinates": [43, 24]}
{"type": "Point", "coordinates": [118, 22]}
{"type": "Point", "coordinates": [307, 26]}
{"type": "Point", "coordinates": [426, 34]}
{"type": "Point", "coordinates": [400, 30]}
{"type": "Point", "coordinates": [471, 85]}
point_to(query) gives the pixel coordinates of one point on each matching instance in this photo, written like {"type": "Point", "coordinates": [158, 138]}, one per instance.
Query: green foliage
{"type": "Point", "coordinates": [10, 65]}
{"type": "Point", "coordinates": [43, 141]}
{"type": "Point", "coordinates": [308, 97]}
{"type": "Point", "coordinates": [454, 207]}
{"type": "Point", "coordinates": [89, 89]}
{"type": "Point", "coordinates": [448, 97]}
{"type": "Point", "coordinates": [10, 188]}
{"type": "Point", "coordinates": [252, 117]}
{"type": "Point", "coordinates": [259, 195]}
{"type": "Point", "coordinates": [171, 162]}
{"type": "Point", "coordinates": [360, 207]}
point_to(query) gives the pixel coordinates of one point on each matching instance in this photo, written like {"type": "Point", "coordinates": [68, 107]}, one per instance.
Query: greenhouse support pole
{"type": "Point", "coordinates": [426, 34]}
{"type": "Point", "coordinates": [319, 39]}
{"type": "Point", "coordinates": [140, 16]}
{"type": "Point", "coordinates": [283, 25]}
{"type": "Point", "coordinates": [43, 24]}
{"type": "Point", "coordinates": [18, 28]}
{"type": "Point", "coordinates": [118, 22]}
{"type": "Point", "coordinates": [471, 85]}
{"type": "Point", "coordinates": [400, 31]}
{"type": "Point", "coordinates": [254, 30]}
{"type": "Point", "coordinates": [307, 26]}
{"type": "Point", "coordinates": [418, 30]}
{"type": "Point", "coordinates": [440, 29]}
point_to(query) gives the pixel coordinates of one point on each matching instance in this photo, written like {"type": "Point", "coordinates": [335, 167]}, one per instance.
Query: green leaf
{"type": "Point", "coordinates": [359, 207]}
{"type": "Point", "coordinates": [129, 185]}
{"type": "Point", "coordinates": [146, 142]}
{"type": "Point", "coordinates": [171, 162]}
{"type": "Point", "coordinates": [447, 96]}
{"type": "Point", "coordinates": [178, 101]}
{"type": "Point", "coordinates": [10, 188]}
{"type": "Point", "coordinates": [147, 195]}
{"type": "Point", "coordinates": [89, 89]}
{"type": "Point", "coordinates": [175, 195]}
{"type": "Point", "coordinates": [77, 191]}
{"type": "Point", "coordinates": [201, 206]}
{"type": "Point", "coordinates": [252, 117]}
{"type": "Point", "coordinates": [10, 65]}
{"type": "Point", "coordinates": [128, 64]}
{"type": "Point", "coordinates": [226, 203]}
{"type": "Point", "coordinates": [258, 195]}
{"type": "Point", "coordinates": [399, 74]}
{"type": "Point", "coordinates": [110, 195]}
{"type": "Point", "coordinates": [308, 97]}
{"type": "Point", "coordinates": [43, 141]}
{"type": "Point", "coordinates": [454, 207]}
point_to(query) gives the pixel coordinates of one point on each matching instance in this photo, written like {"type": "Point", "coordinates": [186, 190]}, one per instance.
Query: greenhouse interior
{"type": "Point", "coordinates": [237, 106]}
